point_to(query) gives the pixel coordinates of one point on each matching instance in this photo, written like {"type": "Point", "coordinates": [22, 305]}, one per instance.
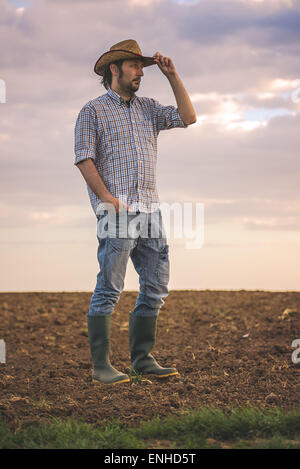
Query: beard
{"type": "Point", "coordinates": [128, 87]}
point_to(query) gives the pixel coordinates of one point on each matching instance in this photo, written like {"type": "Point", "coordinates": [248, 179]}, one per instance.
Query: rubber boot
{"type": "Point", "coordinates": [99, 339]}
{"type": "Point", "coordinates": [142, 334]}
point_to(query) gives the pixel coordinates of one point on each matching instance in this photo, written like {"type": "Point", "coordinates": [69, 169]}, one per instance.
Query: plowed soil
{"type": "Point", "coordinates": [232, 348]}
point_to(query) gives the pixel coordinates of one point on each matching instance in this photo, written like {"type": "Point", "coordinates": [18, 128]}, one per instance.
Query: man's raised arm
{"type": "Point", "coordinates": [184, 105]}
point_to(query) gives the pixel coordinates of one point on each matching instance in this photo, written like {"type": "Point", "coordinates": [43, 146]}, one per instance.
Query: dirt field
{"type": "Point", "coordinates": [232, 348]}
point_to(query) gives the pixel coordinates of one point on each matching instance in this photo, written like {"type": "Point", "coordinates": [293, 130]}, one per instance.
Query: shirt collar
{"type": "Point", "coordinates": [119, 98]}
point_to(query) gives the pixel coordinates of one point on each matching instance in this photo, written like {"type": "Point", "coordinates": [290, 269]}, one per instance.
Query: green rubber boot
{"type": "Point", "coordinates": [99, 333]}
{"type": "Point", "coordinates": [142, 334]}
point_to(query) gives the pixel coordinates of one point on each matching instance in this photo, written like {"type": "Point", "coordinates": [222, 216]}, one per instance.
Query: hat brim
{"type": "Point", "coordinates": [111, 56]}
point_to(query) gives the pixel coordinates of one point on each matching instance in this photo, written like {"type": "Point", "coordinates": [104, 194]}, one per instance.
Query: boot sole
{"type": "Point", "coordinates": [97, 381]}
{"type": "Point", "coordinates": [153, 375]}
{"type": "Point", "coordinates": [166, 376]}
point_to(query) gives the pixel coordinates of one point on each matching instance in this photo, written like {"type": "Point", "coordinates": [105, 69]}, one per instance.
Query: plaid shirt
{"type": "Point", "coordinates": [121, 139]}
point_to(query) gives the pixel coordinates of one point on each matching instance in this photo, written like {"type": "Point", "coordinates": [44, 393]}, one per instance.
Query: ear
{"type": "Point", "coordinates": [113, 68]}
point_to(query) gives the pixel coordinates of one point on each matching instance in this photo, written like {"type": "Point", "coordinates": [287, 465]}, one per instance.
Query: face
{"type": "Point", "coordinates": [132, 75]}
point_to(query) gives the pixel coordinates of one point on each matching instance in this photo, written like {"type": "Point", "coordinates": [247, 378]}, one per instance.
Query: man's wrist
{"type": "Point", "coordinates": [172, 76]}
{"type": "Point", "coordinates": [110, 203]}
{"type": "Point", "coordinates": [108, 199]}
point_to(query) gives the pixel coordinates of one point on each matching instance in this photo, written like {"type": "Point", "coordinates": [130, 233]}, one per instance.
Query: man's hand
{"type": "Point", "coordinates": [115, 205]}
{"type": "Point", "coordinates": [165, 64]}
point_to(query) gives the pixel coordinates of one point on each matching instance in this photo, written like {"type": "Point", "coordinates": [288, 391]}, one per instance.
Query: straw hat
{"type": "Point", "coordinates": [127, 49]}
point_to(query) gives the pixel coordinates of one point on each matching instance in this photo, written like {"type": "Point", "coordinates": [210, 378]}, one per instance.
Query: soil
{"type": "Point", "coordinates": [232, 349]}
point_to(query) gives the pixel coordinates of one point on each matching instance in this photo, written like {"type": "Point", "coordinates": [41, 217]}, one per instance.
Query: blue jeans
{"type": "Point", "coordinates": [149, 252]}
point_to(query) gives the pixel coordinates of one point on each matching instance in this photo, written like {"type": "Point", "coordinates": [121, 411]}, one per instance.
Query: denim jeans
{"type": "Point", "coordinates": [146, 244]}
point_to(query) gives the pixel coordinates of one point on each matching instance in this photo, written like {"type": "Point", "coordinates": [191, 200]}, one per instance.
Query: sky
{"type": "Point", "coordinates": [239, 62]}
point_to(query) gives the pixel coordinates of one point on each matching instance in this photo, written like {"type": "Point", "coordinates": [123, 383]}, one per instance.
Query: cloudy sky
{"type": "Point", "coordinates": [239, 61]}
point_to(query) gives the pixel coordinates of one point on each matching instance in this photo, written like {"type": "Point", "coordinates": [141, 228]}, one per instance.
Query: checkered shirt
{"type": "Point", "coordinates": [121, 140]}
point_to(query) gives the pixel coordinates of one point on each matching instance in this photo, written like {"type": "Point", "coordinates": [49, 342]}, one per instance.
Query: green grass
{"type": "Point", "coordinates": [203, 428]}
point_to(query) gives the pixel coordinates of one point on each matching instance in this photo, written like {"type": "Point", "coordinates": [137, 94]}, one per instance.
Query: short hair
{"type": "Point", "coordinates": [106, 79]}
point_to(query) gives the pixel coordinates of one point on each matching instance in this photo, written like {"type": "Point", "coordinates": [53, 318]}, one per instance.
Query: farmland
{"type": "Point", "coordinates": [232, 349]}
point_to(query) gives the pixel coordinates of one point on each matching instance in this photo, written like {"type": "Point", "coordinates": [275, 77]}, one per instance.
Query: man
{"type": "Point", "coordinates": [115, 148]}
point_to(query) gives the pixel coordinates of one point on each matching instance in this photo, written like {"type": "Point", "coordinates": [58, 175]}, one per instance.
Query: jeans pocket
{"type": "Point", "coordinates": [163, 266]}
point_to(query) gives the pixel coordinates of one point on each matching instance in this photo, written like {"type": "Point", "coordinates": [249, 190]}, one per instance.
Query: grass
{"type": "Point", "coordinates": [138, 378]}
{"type": "Point", "coordinates": [246, 428]}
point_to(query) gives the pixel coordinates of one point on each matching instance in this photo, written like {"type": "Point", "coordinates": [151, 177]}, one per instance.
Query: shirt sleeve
{"type": "Point", "coordinates": [85, 134]}
{"type": "Point", "coordinates": [166, 117]}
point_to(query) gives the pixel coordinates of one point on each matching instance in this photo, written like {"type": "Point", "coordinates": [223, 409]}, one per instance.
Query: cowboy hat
{"type": "Point", "coordinates": [128, 49]}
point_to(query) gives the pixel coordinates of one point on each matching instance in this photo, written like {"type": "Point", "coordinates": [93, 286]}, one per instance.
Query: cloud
{"type": "Point", "coordinates": [258, 23]}
{"type": "Point", "coordinates": [245, 140]}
